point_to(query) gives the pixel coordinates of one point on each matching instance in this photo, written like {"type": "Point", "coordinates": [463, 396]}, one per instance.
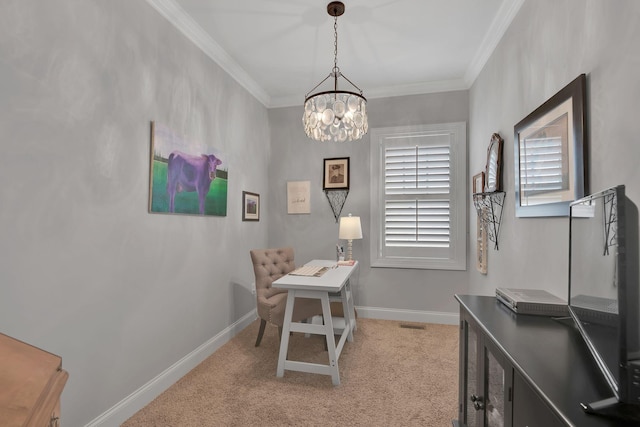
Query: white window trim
{"type": "Point", "coordinates": [457, 258]}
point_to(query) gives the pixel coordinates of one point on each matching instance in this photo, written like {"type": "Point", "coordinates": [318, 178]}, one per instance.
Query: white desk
{"type": "Point", "coordinates": [334, 281]}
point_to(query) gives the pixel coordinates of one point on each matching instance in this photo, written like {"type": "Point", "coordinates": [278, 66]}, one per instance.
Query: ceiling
{"type": "Point", "coordinates": [280, 49]}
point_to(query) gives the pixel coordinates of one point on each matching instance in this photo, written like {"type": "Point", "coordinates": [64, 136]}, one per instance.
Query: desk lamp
{"type": "Point", "coordinates": [350, 229]}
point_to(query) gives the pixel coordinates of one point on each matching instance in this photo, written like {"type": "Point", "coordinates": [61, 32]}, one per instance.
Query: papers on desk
{"type": "Point", "coordinates": [309, 270]}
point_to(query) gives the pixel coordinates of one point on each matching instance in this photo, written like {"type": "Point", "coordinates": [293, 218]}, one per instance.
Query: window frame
{"type": "Point", "coordinates": [453, 258]}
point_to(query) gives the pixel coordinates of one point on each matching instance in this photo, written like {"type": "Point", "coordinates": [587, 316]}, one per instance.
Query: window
{"type": "Point", "coordinates": [418, 199]}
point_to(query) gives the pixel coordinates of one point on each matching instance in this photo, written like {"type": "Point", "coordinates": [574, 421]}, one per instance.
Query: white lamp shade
{"type": "Point", "coordinates": [350, 228]}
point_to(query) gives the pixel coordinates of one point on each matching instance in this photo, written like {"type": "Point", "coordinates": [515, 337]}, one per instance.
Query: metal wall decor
{"type": "Point", "coordinates": [336, 200]}
{"type": "Point", "coordinates": [487, 197]}
{"type": "Point", "coordinates": [489, 207]}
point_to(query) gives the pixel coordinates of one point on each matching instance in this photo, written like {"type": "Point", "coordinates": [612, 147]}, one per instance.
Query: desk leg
{"type": "Point", "coordinates": [331, 342]}
{"type": "Point", "coordinates": [286, 329]}
{"type": "Point", "coordinates": [352, 308]}
{"type": "Point", "coordinates": [345, 297]}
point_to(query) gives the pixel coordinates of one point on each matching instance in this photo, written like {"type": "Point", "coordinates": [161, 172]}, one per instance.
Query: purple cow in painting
{"type": "Point", "coordinates": [190, 173]}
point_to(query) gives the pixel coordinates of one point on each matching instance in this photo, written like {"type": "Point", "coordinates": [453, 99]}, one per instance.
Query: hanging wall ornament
{"type": "Point", "coordinates": [336, 200]}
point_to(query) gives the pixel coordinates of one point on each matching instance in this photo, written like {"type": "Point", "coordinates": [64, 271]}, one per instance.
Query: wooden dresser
{"type": "Point", "coordinates": [31, 382]}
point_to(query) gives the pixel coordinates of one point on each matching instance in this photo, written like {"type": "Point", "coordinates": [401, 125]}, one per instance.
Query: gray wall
{"type": "Point", "coordinates": [86, 272]}
{"type": "Point", "coordinates": [549, 43]}
{"type": "Point", "coordinates": [121, 295]}
{"type": "Point", "coordinates": [296, 158]}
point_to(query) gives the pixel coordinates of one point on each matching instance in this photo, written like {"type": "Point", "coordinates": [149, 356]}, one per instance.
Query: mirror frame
{"type": "Point", "coordinates": [574, 91]}
{"type": "Point", "coordinates": [493, 169]}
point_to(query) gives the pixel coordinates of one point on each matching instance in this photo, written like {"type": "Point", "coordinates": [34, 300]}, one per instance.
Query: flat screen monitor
{"type": "Point", "coordinates": [604, 291]}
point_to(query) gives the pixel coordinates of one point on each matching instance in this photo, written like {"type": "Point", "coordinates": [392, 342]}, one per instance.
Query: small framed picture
{"type": "Point", "coordinates": [478, 183]}
{"type": "Point", "coordinates": [250, 206]}
{"type": "Point", "coordinates": [336, 174]}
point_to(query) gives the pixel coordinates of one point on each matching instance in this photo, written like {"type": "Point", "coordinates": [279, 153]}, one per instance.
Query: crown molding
{"type": "Point", "coordinates": [194, 32]}
{"type": "Point", "coordinates": [387, 91]}
{"type": "Point", "coordinates": [502, 21]}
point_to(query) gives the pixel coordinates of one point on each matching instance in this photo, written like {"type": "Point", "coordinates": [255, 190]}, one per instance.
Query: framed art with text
{"type": "Point", "coordinates": [299, 197]}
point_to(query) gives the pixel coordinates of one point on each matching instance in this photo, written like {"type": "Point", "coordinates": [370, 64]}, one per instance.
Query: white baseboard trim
{"type": "Point", "coordinates": [137, 400]}
{"type": "Point", "coordinates": [443, 318]}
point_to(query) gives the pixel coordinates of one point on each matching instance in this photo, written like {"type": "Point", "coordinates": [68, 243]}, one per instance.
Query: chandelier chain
{"type": "Point", "coordinates": [335, 44]}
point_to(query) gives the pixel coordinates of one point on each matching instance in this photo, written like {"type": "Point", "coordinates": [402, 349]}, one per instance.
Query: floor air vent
{"type": "Point", "coordinates": [411, 326]}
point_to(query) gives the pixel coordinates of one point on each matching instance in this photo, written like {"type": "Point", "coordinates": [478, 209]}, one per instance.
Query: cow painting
{"type": "Point", "coordinates": [190, 173]}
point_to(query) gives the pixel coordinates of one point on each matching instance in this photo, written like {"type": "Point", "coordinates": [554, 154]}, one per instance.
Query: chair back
{"type": "Point", "coordinates": [268, 266]}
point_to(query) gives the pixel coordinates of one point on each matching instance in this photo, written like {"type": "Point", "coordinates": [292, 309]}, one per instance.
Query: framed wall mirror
{"type": "Point", "coordinates": [549, 154]}
{"type": "Point", "coordinates": [494, 164]}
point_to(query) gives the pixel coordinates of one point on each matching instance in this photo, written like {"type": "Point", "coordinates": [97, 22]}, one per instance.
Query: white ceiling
{"type": "Point", "coordinates": [280, 49]}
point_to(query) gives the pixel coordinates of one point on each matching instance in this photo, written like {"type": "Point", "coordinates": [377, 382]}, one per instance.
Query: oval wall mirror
{"type": "Point", "coordinates": [494, 160]}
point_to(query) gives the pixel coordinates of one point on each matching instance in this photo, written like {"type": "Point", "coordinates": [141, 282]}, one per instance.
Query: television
{"type": "Point", "coordinates": [604, 294]}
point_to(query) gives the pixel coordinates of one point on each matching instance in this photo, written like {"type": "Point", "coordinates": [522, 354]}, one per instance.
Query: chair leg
{"type": "Point", "coordinates": [263, 323]}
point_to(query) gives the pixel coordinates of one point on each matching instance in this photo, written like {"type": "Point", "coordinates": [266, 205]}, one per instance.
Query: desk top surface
{"type": "Point", "coordinates": [331, 281]}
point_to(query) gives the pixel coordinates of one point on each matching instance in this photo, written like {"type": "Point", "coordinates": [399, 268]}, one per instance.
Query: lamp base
{"type": "Point", "coordinates": [349, 249]}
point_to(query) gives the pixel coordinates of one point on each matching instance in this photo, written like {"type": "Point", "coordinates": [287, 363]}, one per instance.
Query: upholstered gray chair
{"type": "Point", "coordinates": [268, 266]}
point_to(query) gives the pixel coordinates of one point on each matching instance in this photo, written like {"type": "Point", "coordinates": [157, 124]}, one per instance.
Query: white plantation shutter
{"type": "Point", "coordinates": [417, 223]}
{"type": "Point", "coordinates": [417, 187]}
{"type": "Point", "coordinates": [418, 213]}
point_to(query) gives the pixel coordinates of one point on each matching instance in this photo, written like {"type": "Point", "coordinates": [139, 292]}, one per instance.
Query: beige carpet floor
{"type": "Point", "coordinates": [390, 376]}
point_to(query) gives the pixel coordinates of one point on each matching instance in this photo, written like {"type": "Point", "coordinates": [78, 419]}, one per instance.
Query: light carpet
{"type": "Point", "coordinates": [390, 376]}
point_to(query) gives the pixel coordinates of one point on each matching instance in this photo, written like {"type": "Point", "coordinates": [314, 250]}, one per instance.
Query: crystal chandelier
{"type": "Point", "coordinates": [335, 115]}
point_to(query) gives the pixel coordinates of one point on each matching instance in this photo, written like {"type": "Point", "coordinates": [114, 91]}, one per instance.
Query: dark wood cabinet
{"type": "Point", "coordinates": [524, 370]}
{"type": "Point", "coordinates": [528, 407]}
{"type": "Point", "coordinates": [485, 379]}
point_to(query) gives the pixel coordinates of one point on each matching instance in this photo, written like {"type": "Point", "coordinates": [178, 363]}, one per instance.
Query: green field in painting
{"type": "Point", "coordinates": [187, 202]}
